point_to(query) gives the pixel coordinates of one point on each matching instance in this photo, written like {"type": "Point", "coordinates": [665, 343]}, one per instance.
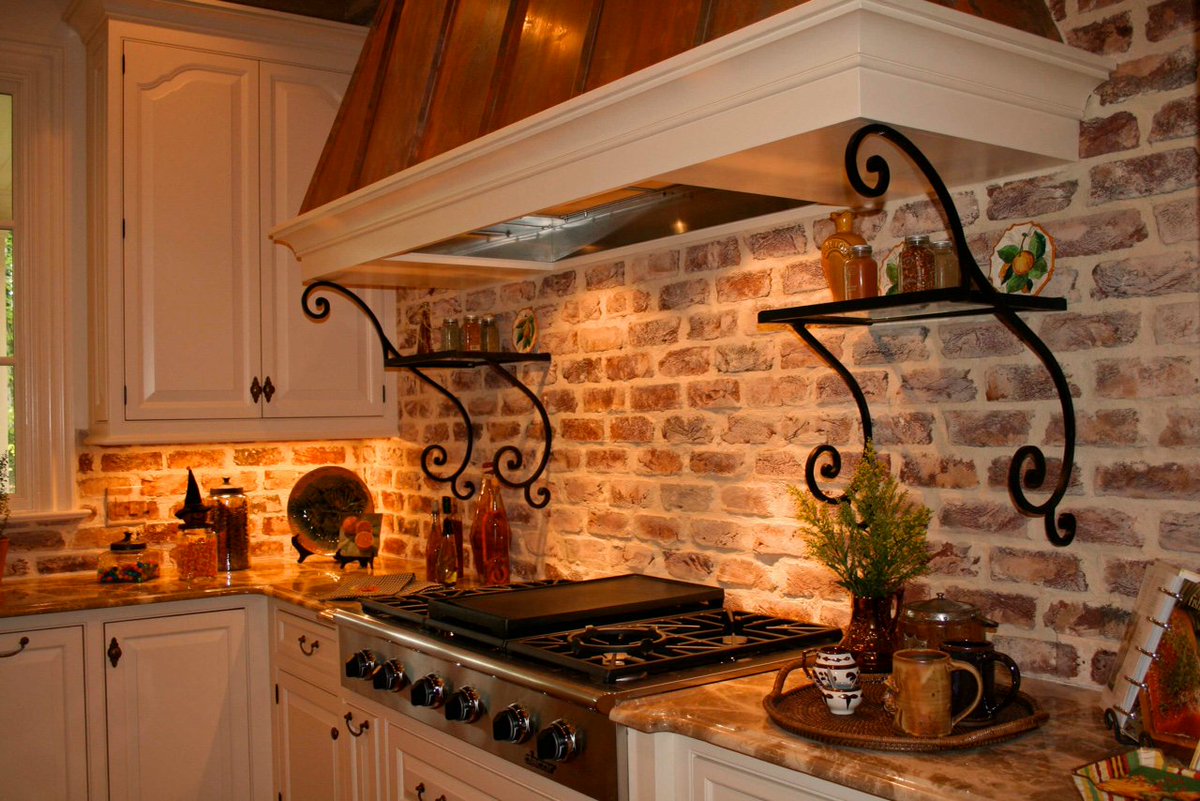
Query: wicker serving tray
{"type": "Point", "coordinates": [802, 711]}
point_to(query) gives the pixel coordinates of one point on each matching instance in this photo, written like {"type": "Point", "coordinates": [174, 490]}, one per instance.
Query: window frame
{"type": "Point", "coordinates": [33, 74]}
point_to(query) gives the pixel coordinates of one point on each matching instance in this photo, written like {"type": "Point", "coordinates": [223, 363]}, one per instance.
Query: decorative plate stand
{"type": "Point", "coordinates": [508, 458]}
{"type": "Point", "coordinates": [975, 295]}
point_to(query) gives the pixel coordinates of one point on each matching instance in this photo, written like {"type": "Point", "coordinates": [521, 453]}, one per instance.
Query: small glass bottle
{"type": "Point", "coordinates": [862, 274]}
{"type": "Point", "coordinates": [472, 333]}
{"type": "Point", "coordinates": [424, 330]}
{"type": "Point", "coordinates": [451, 334]}
{"type": "Point", "coordinates": [945, 265]}
{"type": "Point", "coordinates": [447, 558]}
{"type": "Point", "coordinates": [433, 545]}
{"type": "Point", "coordinates": [489, 334]}
{"type": "Point", "coordinates": [490, 535]}
{"type": "Point", "coordinates": [916, 264]}
{"type": "Point", "coordinates": [450, 520]}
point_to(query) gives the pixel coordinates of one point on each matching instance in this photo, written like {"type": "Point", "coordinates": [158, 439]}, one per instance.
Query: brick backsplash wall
{"type": "Point", "coordinates": [679, 422]}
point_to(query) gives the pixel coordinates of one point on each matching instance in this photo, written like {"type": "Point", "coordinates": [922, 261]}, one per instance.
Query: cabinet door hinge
{"type": "Point", "coordinates": [383, 390]}
{"type": "Point", "coordinates": [276, 693]}
{"type": "Point", "coordinates": [122, 227]}
{"type": "Point", "coordinates": [122, 63]}
{"type": "Point", "coordinates": [125, 395]}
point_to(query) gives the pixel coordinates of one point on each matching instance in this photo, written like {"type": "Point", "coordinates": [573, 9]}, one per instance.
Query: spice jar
{"type": "Point", "coordinates": [128, 561]}
{"type": "Point", "coordinates": [945, 265]}
{"type": "Point", "coordinates": [451, 334]}
{"type": "Point", "coordinates": [916, 264]}
{"type": "Point", "coordinates": [862, 274]}
{"type": "Point", "coordinates": [472, 333]}
{"type": "Point", "coordinates": [489, 334]}
{"type": "Point", "coordinates": [230, 522]}
{"type": "Point", "coordinates": [195, 554]}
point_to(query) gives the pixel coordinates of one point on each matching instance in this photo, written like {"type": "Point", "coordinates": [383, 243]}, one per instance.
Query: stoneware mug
{"type": "Point", "coordinates": [984, 656]}
{"type": "Point", "coordinates": [831, 667]}
{"type": "Point", "coordinates": [920, 693]}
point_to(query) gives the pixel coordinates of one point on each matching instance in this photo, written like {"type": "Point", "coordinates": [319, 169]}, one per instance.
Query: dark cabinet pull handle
{"type": "Point", "coordinates": [333, 732]}
{"type": "Point", "coordinates": [362, 729]}
{"type": "Point", "coordinates": [114, 652]}
{"type": "Point", "coordinates": [21, 643]}
{"type": "Point", "coordinates": [256, 390]}
{"type": "Point", "coordinates": [420, 788]}
{"type": "Point", "coordinates": [268, 389]}
{"type": "Point", "coordinates": [310, 649]}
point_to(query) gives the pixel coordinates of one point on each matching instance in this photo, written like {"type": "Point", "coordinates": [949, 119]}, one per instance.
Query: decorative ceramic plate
{"type": "Point", "coordinates": [889, 270]}
{"type": "Point", "coordinates": [1023, 260]}
{"type": "Point", "coordinates": [525, 331]}
{"type": "Point", "coordinates": [319, 503]}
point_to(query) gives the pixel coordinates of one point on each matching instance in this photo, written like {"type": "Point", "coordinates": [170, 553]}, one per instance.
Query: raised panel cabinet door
{"type": "Point", "coordinates": [314, 752]}
{"type": "Point", "coordinates": [191, 209]}
{"type": "Point", "coordinates": [178, 708]}
{"type": "Point", "coordinates": [43, 739]}
{"type": "Point", "coordinates": [331, 368]}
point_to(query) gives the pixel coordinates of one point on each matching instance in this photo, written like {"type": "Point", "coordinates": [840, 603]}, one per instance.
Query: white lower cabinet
{"type": "Point", "coordinates": [43, 741]}
{"type": "Point", "coordinates": [159, 703]}
{"type": "Point", "coordinates": [671, 766]}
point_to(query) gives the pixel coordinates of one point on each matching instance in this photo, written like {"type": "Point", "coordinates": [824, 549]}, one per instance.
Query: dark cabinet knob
{"type": "Point", "coordinates": [360, 665]}
{"type": "Point", "coordinates": [464, 705]}
{"type": "Point", "coordinates": [557, 742]}
{"type": "Point", "coordinates": [428, 691]}
{"type": "Point", "coordinates": [389, 677]}
{"type": "Point", "coordinates": [512, 725]}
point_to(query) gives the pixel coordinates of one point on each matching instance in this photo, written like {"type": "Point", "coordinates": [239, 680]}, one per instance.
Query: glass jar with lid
{"type": "Point", "coordinates": [489, 334]}
{"type": "Point", "coordinates": [945, 264]}
{"type": "Point", "coordinates": [230, 522]}
{"type": "Point", "coordinates": [195, 554]}
{"type": "Point", "coordinates": [472, 333]}
{"type": "Point", "coordinates": [916, 264]}
{"type": "Point", "coordinates": [451, 334]}
{"type": "Point", "coordinates": [861, 274]}
{"type": "Point", "coordinates": [128, 561]}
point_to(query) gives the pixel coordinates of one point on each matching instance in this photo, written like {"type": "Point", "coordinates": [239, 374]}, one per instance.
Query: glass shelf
{"type": "Point", "coordinates": [462, 359]}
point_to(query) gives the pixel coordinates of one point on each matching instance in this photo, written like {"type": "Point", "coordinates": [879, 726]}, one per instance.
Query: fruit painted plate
{"type": "Point", "coordinates": [1023, 260]}
{"type": "Point", "coordinates": [320, 501]}
{"type": "Point", "coordinates": [889, 270]}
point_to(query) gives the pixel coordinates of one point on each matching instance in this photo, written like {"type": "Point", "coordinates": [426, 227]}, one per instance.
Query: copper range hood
{"type": "Point", "coordinates": [484, 140]}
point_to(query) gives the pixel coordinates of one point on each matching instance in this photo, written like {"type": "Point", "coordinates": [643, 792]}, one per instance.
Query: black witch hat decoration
{"type": "Point", "coordinates": [194, 513]}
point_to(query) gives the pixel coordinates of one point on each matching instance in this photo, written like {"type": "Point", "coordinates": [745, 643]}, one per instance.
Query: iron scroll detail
{"type": "Point", "coordinates": [1029, 467]}
{"type": "Point", "coordinates": [508, 458]}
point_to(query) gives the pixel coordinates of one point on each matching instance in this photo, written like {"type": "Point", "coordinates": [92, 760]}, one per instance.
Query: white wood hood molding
{"type": "Point", "coordinates": [766, 109]}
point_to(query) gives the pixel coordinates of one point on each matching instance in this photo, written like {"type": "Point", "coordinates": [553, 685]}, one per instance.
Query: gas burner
{"type": "Point", "coordinates": [734, 639]}
{"type": "Point", "coordinates": [615, 644]}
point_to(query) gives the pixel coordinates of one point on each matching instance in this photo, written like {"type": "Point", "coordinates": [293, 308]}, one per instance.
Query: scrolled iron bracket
{"type": "Point", "coordinates": [1028, 467]}
{"type": "Point", "coordinates": [509, 457]}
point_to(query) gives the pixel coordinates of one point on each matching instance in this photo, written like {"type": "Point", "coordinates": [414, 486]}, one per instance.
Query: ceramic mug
{"type": "Point", "coordinates": [920, 692]}
{"type": "Point", "coordinates": [831, 667]}
{"type": "Point", "coordinates": [842, 702]}
{"type": "Point", "coordinates": [984, 656]}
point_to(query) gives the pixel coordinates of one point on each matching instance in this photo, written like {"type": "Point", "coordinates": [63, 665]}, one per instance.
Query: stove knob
{"type": "Point", "coordinates": [464, 705]}
{"type": "Point", "coordinates": [557, 742]}
{"type": "Point", "coordinates": [512, 725]}
{"type": "Point", "coordinates": [389, 676]}
{"type": "Point", "coordinates": [360, 665]}
{"type": "Point", "coordinates": [429, 691]}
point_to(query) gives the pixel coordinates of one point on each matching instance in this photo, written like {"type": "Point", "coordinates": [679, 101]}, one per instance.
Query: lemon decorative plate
{"type": "Point", "coordinates": [1023, 260]}
{"type": "Point", "coordinates": [525, 331]}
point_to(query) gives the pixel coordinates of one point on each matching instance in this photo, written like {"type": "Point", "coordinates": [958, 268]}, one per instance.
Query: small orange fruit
{"type": "Point", "coordinates": [1023, 263]}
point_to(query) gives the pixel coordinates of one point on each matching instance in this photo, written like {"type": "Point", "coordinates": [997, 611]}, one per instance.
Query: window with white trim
{"type": "Point", "coordinates": [8, 440]}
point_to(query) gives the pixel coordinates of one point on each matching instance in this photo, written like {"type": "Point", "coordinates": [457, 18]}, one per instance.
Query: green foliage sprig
{"type": "Point", "coordinates": [4, 484]}
{"type": "Point", "coordinates": [874, 538]}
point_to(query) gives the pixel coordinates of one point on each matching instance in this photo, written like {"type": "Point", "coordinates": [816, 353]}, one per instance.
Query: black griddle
{"type": "Point", "coordinates": [557, 607]}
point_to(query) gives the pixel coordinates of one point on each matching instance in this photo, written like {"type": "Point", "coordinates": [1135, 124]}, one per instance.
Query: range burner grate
{"type": "Point", "coordinates": [413, 607]}
{"type": "Point", "coordinates": [615, 653]}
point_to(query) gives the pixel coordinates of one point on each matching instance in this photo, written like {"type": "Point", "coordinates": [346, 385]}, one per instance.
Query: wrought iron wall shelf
{"type": "Point", "coordinates": [508, 459]}
{"type": "Point", "coordinates": [973, 297]}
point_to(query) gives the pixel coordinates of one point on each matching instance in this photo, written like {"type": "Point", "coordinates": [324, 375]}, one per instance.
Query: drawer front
{"type": "Point", "coordinates": [307, 648]}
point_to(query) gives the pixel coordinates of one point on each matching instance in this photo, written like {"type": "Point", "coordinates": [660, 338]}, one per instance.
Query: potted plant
{"type": "Point", "coordinates": [874, 541]}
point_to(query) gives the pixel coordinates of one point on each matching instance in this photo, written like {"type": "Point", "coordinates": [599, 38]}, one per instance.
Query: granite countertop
{"type": "Point", "coordinates": [301, 584]}
{"type": "Point", "coordinates": [1035, 766]}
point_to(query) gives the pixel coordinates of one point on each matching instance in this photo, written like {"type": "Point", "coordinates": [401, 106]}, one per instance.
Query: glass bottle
{"type": "Point", "coordinates": [916, 264]}
{"type": "Point", "coordinates": [450, 519]}
{"type": "Point", "coordinates": [835, 251]}
{"type": "Point", "coordinates": [472, 333]}
{"type": "Point", "coordinates": [424, 330]}
{"type": "Point", "coordinates": [945, 265]}
{"type": "Point", "coordinates": [433, 544]}
{"type": "Point", "coordinates": [862, 274]}
{"type": "Point", "coordinates": [447, 558]}
{"type": "Point", "coordinates": [451, 334]}
{"type": "Point", "coordinates": [230, 522]}
{"type": "Point", "coordinates": [490, 536]}
{"type": "Point", "coordinates": [489, 334]}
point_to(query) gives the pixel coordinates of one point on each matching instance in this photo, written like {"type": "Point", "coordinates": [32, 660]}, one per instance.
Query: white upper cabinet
{"type": "Point", "coordinates": [203, 139]}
